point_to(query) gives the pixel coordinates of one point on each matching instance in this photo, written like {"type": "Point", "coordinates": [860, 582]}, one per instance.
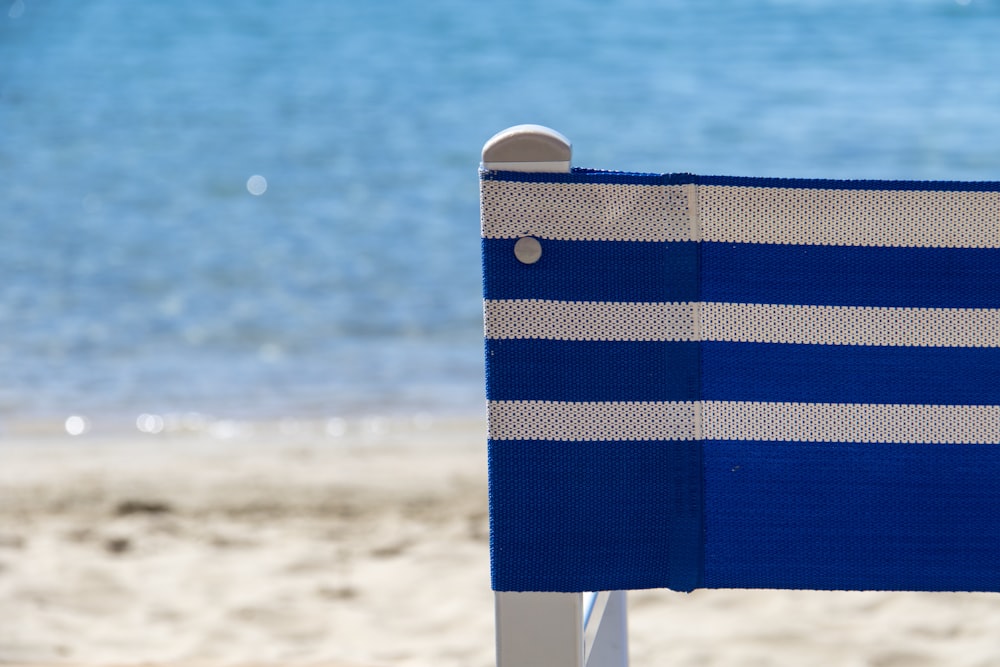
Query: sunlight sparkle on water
{"type": "Point", "coordinates": [77, 425]}
{"type": "Point", "coordinates": [256, 185]}
{"type": "Point", "coordinates": [149, 423]}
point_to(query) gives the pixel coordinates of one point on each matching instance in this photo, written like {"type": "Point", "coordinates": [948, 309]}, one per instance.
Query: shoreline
{"type": "Point", "coordinates": [369, 428]}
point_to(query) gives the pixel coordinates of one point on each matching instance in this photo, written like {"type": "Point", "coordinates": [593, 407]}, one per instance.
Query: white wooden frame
{"type": "Point", "coordinates": [552, 629]}
{"type": "Point", "coordinates": [561, 629]}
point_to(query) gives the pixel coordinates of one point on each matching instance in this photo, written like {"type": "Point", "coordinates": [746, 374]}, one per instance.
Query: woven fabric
{"type": "Point", "coordinates": [728, 383]}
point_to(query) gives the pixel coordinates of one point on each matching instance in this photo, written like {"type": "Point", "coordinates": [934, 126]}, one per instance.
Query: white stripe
{"type": "Point", "coordinates": [835, 422]}
{"type": "Point", "coordinates": [735, 322]}
{"type": "Point", "coordinates": [719, 420]}
{"type": "Point", "coordinates": [558, 420]}
{"type": "Point", "coordinates": [904, 218]}
{"type": "Point", "coordinates": [850, 325]}
{"type": "Point", "coordinates": [585, 212]}
{"type": "Point", "coordinates": [740, 214]}
{"type": "Point", "coordinates": [590, 320]}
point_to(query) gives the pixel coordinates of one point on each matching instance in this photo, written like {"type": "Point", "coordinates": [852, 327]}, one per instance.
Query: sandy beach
{"type": "Point", "coordinates": [360, 545]}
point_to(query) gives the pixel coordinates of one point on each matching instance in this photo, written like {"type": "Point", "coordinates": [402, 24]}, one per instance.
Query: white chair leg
{"type": "Point", "coordinates": [606, 632]}
{"type": "Point", "coordinates": [552, 630]}
{"type": "Point", "coordinates": [539, 629]}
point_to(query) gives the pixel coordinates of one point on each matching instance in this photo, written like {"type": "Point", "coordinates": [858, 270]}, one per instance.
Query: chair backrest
{"type": "Point", "coordinates": [739, 382]}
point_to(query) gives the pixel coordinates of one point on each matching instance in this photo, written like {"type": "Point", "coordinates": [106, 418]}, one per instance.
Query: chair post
{"type": "Point", "coordinates": [605, 634]}
{"type": "Point", "coordinates": [539, 629]}
{"type": "Point", "coordinates": [528, 148]}
{"type": "Point", "coordinates": [556, 630]}
{"type": "Point", "coordinates": [550, 629]}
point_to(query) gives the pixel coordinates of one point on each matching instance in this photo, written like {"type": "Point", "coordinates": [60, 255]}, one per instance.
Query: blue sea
{"type": "Point", "coordinates": [269, 210]}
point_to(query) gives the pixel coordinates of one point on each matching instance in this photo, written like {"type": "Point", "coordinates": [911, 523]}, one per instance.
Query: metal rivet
{"type": "Point", "coordinates": [528, 250]}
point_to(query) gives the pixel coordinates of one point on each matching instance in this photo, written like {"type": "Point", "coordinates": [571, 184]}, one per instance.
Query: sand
{"type": "Point", "coordinates": [361, 545]}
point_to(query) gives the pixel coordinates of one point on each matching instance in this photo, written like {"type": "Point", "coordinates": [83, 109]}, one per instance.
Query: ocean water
{"type": "Point", "coordinates": [269, 210]}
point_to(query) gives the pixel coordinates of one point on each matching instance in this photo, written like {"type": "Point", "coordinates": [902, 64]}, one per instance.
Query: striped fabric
{"type": "Point", "coordinates": [742, 383]}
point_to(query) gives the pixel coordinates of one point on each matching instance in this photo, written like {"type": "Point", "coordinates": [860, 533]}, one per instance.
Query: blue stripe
{"type": "Point", "coordinates": [595, 515]}
{"type": "Point", "coordinates": [590, 176]}
{"type": "Point", "coordinates": [774, 372]}
{"type": "Point", "coordinates": [555, 370]}
{"type": "Point", "coordinates": [598, 176]}
{"type": "Point", "coordinates": [593, 271]}
{"type": "Point", "coordinates": [841, 184]}
{"type": "Point", "coordinates": [747, 273]}
{"type": "Point", "coordinates": [842, 516]}
{"type": "Point", "coordinates": [519, 369]}
{"type": "Point", "coordinates": [851, 276]}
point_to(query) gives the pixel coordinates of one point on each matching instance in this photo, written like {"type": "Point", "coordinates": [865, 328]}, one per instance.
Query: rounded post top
{"type": "Point", "coordinates": [528, 148]}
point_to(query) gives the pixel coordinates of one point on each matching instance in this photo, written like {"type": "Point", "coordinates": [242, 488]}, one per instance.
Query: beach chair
{"type": "Point", "coordinates": [716, 382]}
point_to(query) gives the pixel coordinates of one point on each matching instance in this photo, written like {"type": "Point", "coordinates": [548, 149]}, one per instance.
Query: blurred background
{"type": "Point", "coordinates": [213, 212]}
